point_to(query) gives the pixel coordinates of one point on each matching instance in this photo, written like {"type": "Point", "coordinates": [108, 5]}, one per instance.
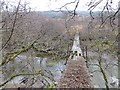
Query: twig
{"type": "Point", "coordinates": [13, 26]}
{"type": "Point", "coordinates": [21, 74]}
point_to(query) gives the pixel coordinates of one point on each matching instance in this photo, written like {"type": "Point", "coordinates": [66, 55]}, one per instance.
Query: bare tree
{"type": "Point", "coordinates": [102, 28]}
{"type": "Point", "coordinates": [34, 35]}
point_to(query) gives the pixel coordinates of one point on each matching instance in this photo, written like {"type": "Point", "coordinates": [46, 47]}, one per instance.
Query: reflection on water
{"type": "Point", "coordinates": [36, 64]}
{"type": "Point", "coordinates": [17, 79]}
{"type": "Point", "coordinates": [58, 68]}
{"type": "Point", "coordinates": [110, 68]}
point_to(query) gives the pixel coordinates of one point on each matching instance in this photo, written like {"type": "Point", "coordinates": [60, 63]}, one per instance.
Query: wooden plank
{"type": "Point", "coordinates": [75, 75]}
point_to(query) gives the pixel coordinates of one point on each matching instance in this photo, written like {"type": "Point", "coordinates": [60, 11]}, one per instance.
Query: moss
{"type": "Point", "coordinates": [42, 55]}
{"type": "Point", "coordinates": [52, 63]}
{"type": "Point", "coordinates": [51, 87]}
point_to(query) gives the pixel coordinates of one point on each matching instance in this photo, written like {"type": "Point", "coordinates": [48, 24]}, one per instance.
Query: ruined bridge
{"type": "Point", "coordinates": [76, 73]}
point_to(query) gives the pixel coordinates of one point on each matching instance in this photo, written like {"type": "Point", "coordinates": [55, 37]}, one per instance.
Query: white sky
{"type": "Point", "coordinates": [46, 5]}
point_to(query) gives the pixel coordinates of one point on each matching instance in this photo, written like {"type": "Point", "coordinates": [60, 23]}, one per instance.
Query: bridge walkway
{"type": "Point", "coordinates": [76, 74]}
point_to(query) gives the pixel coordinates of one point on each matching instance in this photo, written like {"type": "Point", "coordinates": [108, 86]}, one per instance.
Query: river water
{"type": "Point", "coordinates": [110, 66]}
{"type": "Point", "coordinates": [54, 71]}
{"type": "Point", "coordinates": [57, 69]}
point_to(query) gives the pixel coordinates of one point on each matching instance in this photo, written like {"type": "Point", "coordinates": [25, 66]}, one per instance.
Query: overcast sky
{"type": "Point", "coordinates": [46, 5]}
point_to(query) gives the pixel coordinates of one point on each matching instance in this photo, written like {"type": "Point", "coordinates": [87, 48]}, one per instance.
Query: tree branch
{"type": "Point", "coordinates": [21, 74]}
{"type": "Point", "coordinates": [13, 26]}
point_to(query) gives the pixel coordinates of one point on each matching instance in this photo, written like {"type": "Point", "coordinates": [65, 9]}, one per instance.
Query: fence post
{"type": "Point", "coordinates": [86, 52]}
{"type": "Point", "coordinates": [83, 51]}
{"type": "Point", "coordinates": [86, 56]}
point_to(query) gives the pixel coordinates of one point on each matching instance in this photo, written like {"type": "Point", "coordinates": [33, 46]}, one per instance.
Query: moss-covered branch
{"type": "Point", "coordinates": [10, 56]}
{"type": "Point", "coordinates": [15, 54]}
{"type": "Point", "coordinates": [51, 52]}
{"type": "Point", "coordinates": [102, 70]}
{"type": "Point", "coordinates": [21, 74]}
{"type": "Point", "coordinates": [104, 76]}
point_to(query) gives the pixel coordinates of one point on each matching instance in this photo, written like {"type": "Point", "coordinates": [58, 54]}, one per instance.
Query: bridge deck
{"type": "Point", "coordinates": [75, 75]}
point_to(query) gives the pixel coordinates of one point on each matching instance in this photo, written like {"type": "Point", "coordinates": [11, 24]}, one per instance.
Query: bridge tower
{"type": "Point", "coordinates": [76, 48]}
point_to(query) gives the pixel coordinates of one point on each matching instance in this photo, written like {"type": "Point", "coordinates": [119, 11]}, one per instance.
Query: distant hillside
{"type": "Point", "coordinates": [53, 14]}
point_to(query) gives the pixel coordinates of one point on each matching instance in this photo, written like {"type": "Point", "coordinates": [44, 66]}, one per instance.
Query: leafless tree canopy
{"type": "Point", "coordinates": [28, 36]}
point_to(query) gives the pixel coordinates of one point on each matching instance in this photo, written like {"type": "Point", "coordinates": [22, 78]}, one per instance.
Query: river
{"type": "Point", "coordinates": [96, 76]}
